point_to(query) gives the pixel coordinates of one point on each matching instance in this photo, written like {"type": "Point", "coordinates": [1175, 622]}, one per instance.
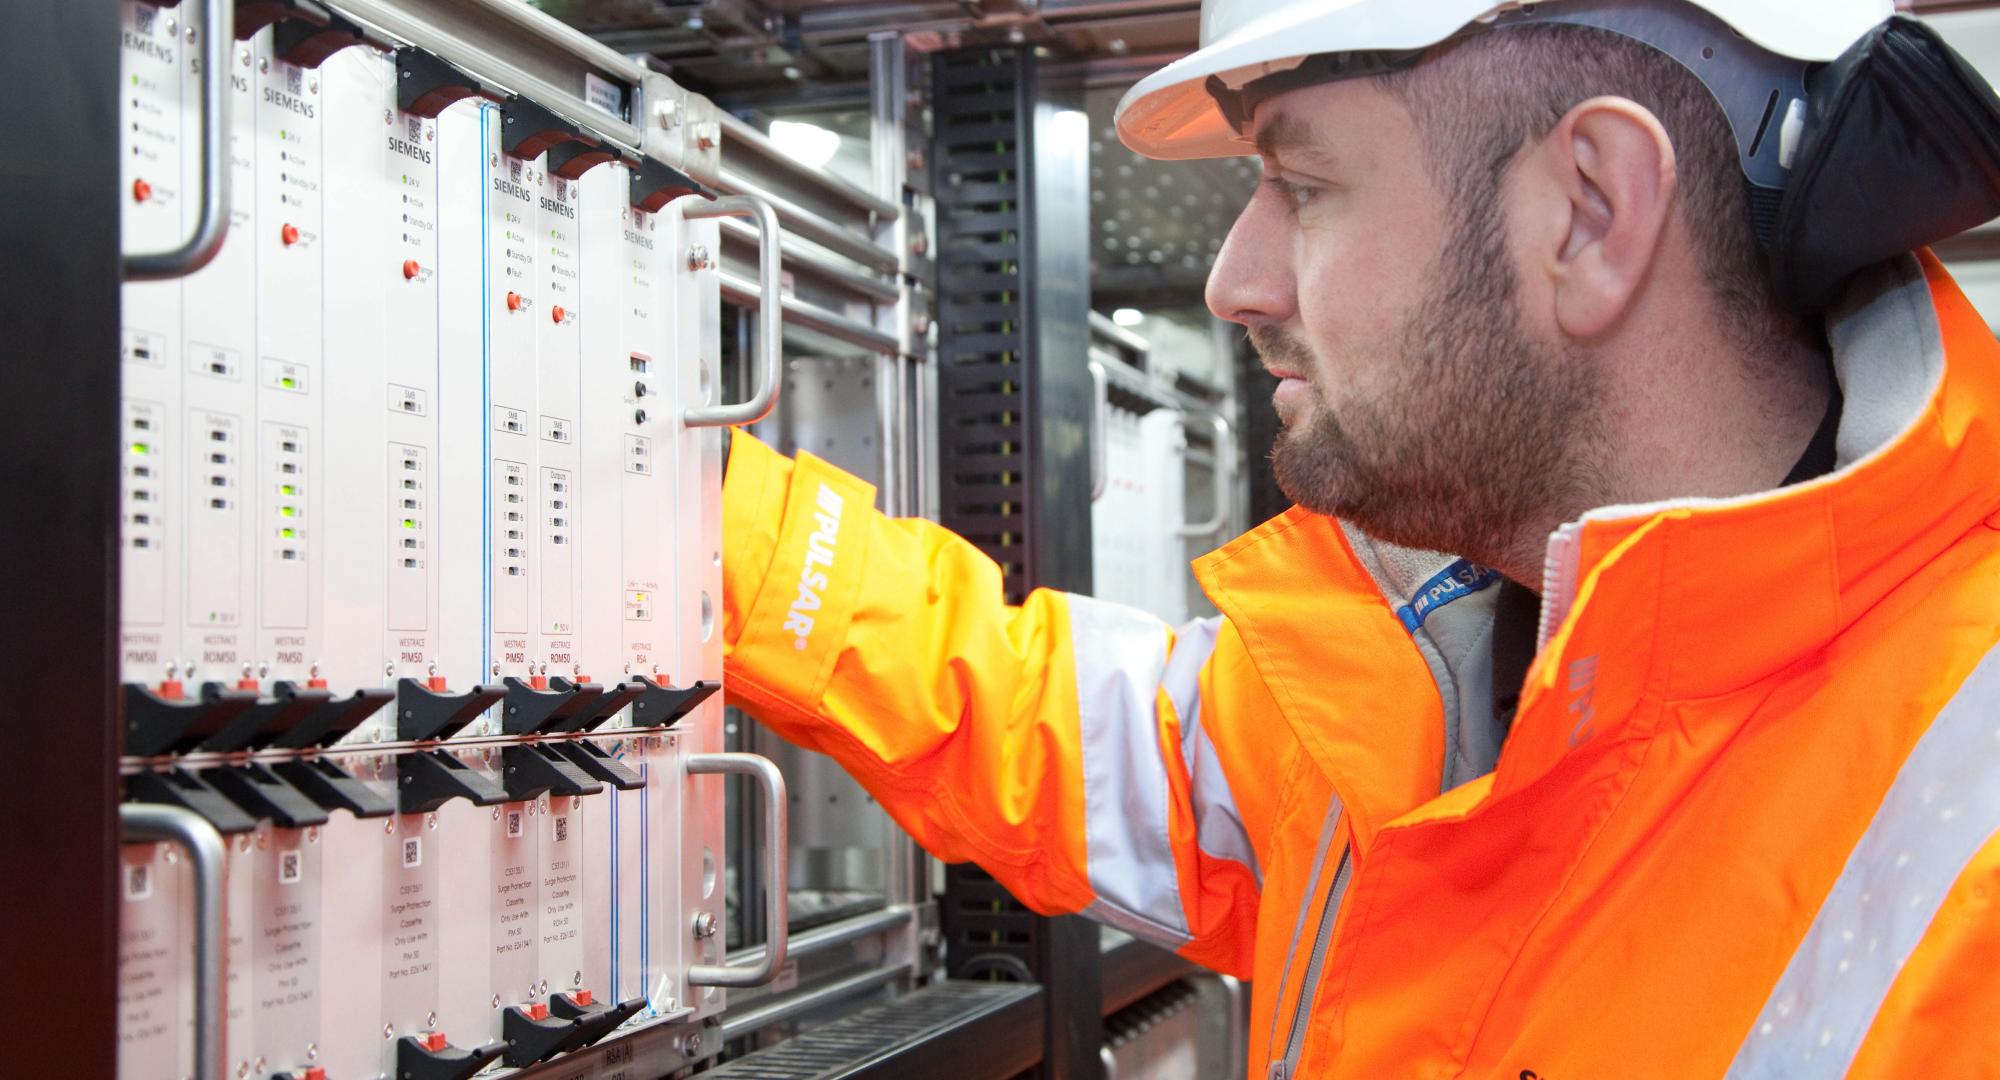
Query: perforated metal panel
{"type": "Point", "coordinates": [857, 1044]}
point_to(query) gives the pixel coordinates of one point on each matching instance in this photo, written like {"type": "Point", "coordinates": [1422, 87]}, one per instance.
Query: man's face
{"type": "Point", "coordinates": [1413, 402]}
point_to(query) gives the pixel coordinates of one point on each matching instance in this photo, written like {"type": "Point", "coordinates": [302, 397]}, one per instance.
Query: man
{"type": "Point", "coordinates": [1744, 819]}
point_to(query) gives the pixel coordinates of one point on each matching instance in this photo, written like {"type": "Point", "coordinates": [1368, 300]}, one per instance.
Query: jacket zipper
{"type": "Point", "coordinates": [1295, 1039]}
{"type": "Point", "coordinates": [1559, 573]}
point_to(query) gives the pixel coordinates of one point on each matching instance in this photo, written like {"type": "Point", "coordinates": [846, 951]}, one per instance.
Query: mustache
{"type": "Point", "coordinates": [1282, 350]}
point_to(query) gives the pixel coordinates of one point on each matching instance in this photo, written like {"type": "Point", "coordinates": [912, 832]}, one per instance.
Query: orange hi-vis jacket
{"type": "Point", "coordinates": [1743, 822]}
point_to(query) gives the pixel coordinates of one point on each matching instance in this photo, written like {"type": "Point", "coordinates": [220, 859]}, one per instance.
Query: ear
{"type": "Point", "coordinates": [1613, 164]}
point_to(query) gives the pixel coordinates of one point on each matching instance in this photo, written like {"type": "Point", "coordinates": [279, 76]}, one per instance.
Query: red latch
{"type": "Point", "coordinates": [539, 682]}
{"type": "Point", "coordinates": [315, 684]}
{"type": "Point", "coordinates": [435, 684]}
{"type": "Point", "coordinates": [537, 1011]}
{"type": "Point", "coordinates": [172, 690]}
{"type": "Point", "coordinates": [581, 997]}
{"type": "Point", "coordinates": [246, 684]}
{"type": "Point", "coordinates": [434, 1041]}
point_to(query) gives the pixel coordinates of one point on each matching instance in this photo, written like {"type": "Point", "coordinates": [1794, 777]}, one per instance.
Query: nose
{"type": "Point", "coordinates": [1252, 280]}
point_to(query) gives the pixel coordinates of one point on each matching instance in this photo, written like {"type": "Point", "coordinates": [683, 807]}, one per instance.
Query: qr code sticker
{"type": "Point", "coordinates": [413, 852]}
{"type": "Point", "coordinates": [514, 827]}
{"type": "Point", "coordinates": [291, 868]}
{"type": "Point", "coordinates": [562, 828]}
{"type": "Point", "coordinates": [138, 881]}
{"type": "Point", "coordinates": [142, 18]}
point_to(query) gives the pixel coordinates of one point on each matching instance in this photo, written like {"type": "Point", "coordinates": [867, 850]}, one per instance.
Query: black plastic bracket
{"type": "Point", "coordinates": [332, 721]}
{"type": "Point", "coordinates": [655, 184]}
{"type": "Point", "coordinates": [268, 720]}
{"type": "Point", "coordinates": [178, 787]}
{"type": "Point", "coordinates": [264, 794]}
{"type": "Point", "coordinates": [333, 789]}
{"type": "Point", "coordinates": [423, 714]}
{"type": "Point", "coordinates": [532, 712]}
{"type": "Point", "coordinates": [597, 1018]}
{"type": "Point", "coordinates": [528, 772]}
{"type": "Point", "coordinates": [426, 83]}
{"type": "Point", "coordinates": [530, 1040]}
{"type": "Point", "coordinates": [592, 759]}
{"type": "Point", "coordinates": [661, 706]}
{"type": "Point", "coordinates": [427, 779]}
{"type": "Point", "coordinates": [156, 725]}
{"type": "Point", "coordinates": [528, 131]}
{"type": "Point", "coordinates": [570, 160]}
{"type": "Point", "coordinates": [603, 705]}
{"type": "Point", "coordinates": [415, 1061]}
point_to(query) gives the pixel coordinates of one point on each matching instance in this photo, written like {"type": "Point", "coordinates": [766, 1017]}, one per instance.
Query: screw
{"type": "Point", "coordinates": [691, 1044]}
{"type": "Point", "coordinates": [388, 1031]}
{"type": "Point", "coordinates": [312, 86]}
{"type": "Point", "coordinates": [431, 1020]}
{"type": "Point", "coordinates": [388, 116]}
{"type": "Point", "coordinates": [431, 822]}
{"type": "Point", "coordinates": [312, 1051]}
{"type": "Point", "coordinates": [263, 65]}
{"type": "Point", "coordinates": [388, 828]}
{"type": "Point", "coordinates": [191, 35]}
{"type": "Point", "coordinates": [243, 57]}
{"type": "Point", "coordinates": [263, 841]}
{"type": "Point", "coordinates": [576, 979]}
{"type": "Point", "coordinates": [389, 670]}
{"type": "Point", "coordinates": [704, 925]}
{"type": "Point", "coordinates": [496, 1001]}
{"type": "Point", "coordinates": [172, 27]}
{"type": "Point", "coordinates": [668, 114]}
{"type": "Point", "coordinates": [312, 834]}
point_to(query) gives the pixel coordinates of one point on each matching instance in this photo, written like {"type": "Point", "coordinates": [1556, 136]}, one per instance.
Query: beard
{"type": "Point", "coordinates": [1476, 444]}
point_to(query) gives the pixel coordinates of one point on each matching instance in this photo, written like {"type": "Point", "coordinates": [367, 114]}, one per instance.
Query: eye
{"type": "Point", "coordinates": [1299, 195]}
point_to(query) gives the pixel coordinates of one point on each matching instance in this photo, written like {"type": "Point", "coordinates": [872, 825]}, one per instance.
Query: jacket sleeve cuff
{"type": "Point", "coordinates": [754, 488]}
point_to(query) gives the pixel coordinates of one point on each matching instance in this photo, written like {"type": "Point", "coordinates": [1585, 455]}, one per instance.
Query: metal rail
{"type": "Point", "coordinates": [833, 935]}
{"type": "Point", "coordinates": [871, 289]}
{"type": "Point", "coordinates": [798, 313]}
{"type": "Point", "coordinates": [814, 227]}
{"type": "Point", "coordinates": [795, 1005]}
{"type": "Point", "coordinates": [739, 134]}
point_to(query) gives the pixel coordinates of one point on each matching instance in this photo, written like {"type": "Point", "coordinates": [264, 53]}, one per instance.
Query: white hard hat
{"type": "Point", "coordinates": [1173, 113]}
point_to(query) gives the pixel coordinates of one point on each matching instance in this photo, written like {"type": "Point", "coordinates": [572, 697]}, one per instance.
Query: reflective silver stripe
{"type": "Point", "coordinates": [1121, 656]}
{"type": "Point", "coordinates": [1326, 834]}
{"type": "Point", "coordinates": [1219, 830]}
{"type": "Point", "coordinates": [1943, 807]}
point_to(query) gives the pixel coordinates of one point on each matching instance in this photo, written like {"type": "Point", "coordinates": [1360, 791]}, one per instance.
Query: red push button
{"type": "Point", "coordinates": [557, 314]}
{"type": "Point", "coordinates": [581, 997]}
{"type": "Point", "coordinates": [141, 191]}
{"type": "Point", "coordinates": [289, 234]}
{"type": "Point", "coordinates": [513, 301]}
{"type": "Point", "coordinates": [434, 1041]}
{"type": "Point", "coordinates": [410, 268]}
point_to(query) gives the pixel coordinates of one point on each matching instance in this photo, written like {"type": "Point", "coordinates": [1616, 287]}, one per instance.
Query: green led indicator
{"type": "Point", "coordinates": [289, 383]}
{"type": "Point", "coordinates": [288, 511]}
{"type": "Point", "coordinates": [288, 489]}
{"type": "Point", "coordinates": [142, 448]}
{"type": "Point", "coordinates": [288, 534]}
{"type": "Point", "coordinates": [409, 523]}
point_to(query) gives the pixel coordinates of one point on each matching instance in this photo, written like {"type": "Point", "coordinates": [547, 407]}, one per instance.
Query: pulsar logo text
{"type": "Point", "coordinates": [819, 554]}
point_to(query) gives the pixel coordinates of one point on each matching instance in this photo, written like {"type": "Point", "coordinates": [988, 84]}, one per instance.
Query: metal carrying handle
{"type": "Point", "coordinates": [777, 880]}
{"type": "Point", "coordinates": [146, 823]}
{"type": "Point", "coordinates": [218, 30]}
{"type": "Point", "coordinates": [1225, 440]}
{"type": "Point", "coordinates": [1100, 431]}
{"type": "Point", "coordinates": [770, 310]}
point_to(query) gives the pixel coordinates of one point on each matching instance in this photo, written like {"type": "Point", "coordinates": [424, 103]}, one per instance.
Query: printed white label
{"type": "Point", "coordinates": [603, 94]}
